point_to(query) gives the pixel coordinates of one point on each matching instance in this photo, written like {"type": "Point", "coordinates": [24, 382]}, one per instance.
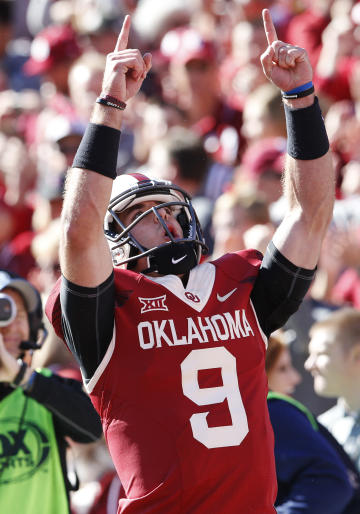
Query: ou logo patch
{"type": "Point", "coordinates": [193, 297]}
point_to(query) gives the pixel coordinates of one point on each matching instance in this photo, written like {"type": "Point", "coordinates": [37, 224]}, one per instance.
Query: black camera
{"type": "Point", "coordinates": [7, 310]}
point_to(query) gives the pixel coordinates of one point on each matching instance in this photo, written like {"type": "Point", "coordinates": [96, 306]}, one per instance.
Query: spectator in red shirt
{"type": "Point", "coordinates": [195, 89]}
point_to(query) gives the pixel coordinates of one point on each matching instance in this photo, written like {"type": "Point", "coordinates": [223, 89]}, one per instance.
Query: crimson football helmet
{"type": "Point", "coordinates": [176, 255]}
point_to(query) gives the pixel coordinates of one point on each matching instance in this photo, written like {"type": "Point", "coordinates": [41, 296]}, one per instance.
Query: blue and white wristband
{"type": "Point", "coordinates": [299, 92]}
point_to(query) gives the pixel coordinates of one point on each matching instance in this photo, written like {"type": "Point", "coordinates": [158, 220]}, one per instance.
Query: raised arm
{"type": "Point", "coordinates": [84, 253]}
{"type": "Point", "coordinates": [309, 181]}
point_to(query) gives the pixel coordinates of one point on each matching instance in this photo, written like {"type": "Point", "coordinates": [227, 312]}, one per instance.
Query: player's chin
{"type": "Point", "coordinates": [175, 236]}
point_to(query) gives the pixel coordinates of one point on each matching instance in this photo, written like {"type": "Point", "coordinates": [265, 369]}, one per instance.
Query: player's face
{"type": "Point", "coordinates": [328, 363]}
{"type": "Point", "coordinates": [149, 231]}
{"type": "Point", "coordinates": [19, 329]}
{"type": "Point", "coordinates": [283, 378]}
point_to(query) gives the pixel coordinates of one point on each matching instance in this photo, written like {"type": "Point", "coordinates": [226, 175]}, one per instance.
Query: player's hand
{"type": "Point", "coordinates": [285, 65]}
{"type": "Point", "coordinates": [9, 366]}
{"type": "Point", "coordinates": [125, 68]}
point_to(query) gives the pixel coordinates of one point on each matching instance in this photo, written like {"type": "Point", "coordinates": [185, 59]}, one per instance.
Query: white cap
{"type": "Point", "coordinates": [27, 291]}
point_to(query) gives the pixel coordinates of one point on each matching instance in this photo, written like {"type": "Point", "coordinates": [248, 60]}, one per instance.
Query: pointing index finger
{"type": "Point", "coordinates": [123, 38]}
{"type": "Point", "coordinates": [269, 28]}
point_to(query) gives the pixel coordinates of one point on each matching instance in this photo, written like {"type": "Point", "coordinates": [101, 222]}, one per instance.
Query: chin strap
{"type": "Point", "coordinates": [175, 259]}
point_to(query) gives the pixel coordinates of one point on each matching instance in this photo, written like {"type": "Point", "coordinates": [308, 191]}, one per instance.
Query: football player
{"type": "Point", "coordinates": [172, 347]}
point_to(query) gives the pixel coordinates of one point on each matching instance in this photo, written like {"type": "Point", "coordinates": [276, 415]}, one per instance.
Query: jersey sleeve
{"type": "Point", "coordinates": [279, 289]}
{"type": "Point", "coordinates": [84, 318]}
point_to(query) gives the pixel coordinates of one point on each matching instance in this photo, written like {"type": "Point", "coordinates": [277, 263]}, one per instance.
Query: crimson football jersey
{"type": "Point", "coordinates": [182, 392]}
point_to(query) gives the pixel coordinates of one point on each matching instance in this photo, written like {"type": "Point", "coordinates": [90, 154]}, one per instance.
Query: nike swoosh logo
{"type": "Point", "coordinates": [175, 261]}
{"type": "Point", "coordinates": [226, 296]}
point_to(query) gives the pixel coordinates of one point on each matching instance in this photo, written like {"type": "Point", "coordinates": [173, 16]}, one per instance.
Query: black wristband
{"type": "Point", "coordinates": [20, 375]}
{"type": "Point", "coordinates": [307, 137]}
{"type": "Point", "coordinates": [98, 150]}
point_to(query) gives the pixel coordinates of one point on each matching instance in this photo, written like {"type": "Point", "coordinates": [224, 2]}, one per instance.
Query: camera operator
{"type": "Point", "coordinates": [38, 410]}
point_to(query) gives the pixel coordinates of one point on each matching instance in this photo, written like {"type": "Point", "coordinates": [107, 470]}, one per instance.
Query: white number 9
{"type": "Point", "coordinates": [210, 358]}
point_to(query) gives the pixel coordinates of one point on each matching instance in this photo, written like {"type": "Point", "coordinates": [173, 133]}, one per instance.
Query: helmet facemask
{"type": "Point", "coordinates": [176, 256]}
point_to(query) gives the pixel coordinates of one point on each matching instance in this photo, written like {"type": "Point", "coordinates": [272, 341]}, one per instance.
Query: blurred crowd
{"type": "Point", "coordinates": [206, 118]}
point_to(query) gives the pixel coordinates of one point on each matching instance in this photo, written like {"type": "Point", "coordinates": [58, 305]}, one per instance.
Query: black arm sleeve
{"type": "Point", "coordinates": [72, 410]}
{"type": "Point", "coordinates": [279, 289]}
{"type": "Point", "coordinates": [88, 321]}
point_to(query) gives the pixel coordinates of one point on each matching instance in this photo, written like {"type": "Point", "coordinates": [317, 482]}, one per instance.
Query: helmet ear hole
{"type": "Point", "coordinates": [112, 228]}
{"type": "Point", "coordinates": [133, 251]}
